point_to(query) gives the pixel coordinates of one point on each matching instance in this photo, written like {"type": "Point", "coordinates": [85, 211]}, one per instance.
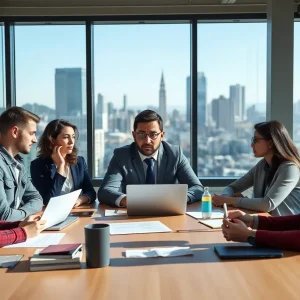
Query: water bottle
{"type": "Point", "coordinates": [206, 204]}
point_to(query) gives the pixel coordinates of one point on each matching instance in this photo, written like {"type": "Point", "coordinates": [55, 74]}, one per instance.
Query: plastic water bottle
{"type": "Point", "coordinates": [206, 204]}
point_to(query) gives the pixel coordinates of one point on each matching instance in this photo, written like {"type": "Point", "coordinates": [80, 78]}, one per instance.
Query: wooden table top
{"type": "Point", "coordinates": [201, 276]}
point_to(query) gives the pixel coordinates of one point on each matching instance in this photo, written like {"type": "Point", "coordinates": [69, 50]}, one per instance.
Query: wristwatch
{"type": "Point", "coordinates": [251, 240]}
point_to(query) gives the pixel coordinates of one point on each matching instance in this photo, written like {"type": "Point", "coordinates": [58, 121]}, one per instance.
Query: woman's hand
{"type": "Point", "coordinates": [235, 230]}
{"type": "Point", "coordinates": [218, 200]}
{"type": "Point", "coordinates": [81, 200]}
{"type": "Point", "coordinates": [58, 160]}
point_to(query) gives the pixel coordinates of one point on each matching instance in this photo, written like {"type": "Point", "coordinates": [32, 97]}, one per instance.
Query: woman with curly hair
{"type": "Point", "coordinates": [58, 169]}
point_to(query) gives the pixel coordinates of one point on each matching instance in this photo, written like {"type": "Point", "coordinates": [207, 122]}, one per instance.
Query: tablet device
{"type": "Point", "coordinates": [245, 251]}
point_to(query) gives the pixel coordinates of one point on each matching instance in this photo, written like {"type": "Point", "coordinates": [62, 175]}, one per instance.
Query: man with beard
{"type": "Point", "coordinates": [18, 197]}
{"type": "Point", "coordinates": [148, 160]}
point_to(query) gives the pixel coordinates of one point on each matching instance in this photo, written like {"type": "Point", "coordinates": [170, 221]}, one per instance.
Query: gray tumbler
{"type": "Point", "coordinates": [97, 245]}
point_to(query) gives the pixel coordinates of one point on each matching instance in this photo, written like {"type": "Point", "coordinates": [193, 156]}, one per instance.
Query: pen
{"type": "Point", "coordinates": [225, 211]}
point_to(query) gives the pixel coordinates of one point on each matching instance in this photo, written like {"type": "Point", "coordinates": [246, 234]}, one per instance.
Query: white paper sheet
{"type": "Point", "coordinates": [42, 240]}
{"type": "Point", "coordinates": [215, 224]}
{"type": "Point", "coordinates": [138, 227]}
{"type": "Point", "coordinates": [155, 252]}
{"type": "Point", "coordinates": [59, 208]}
{"type": "Point", "coordinates": [115, 212]}
{"type": "Point", "coordinates": [198, 214]}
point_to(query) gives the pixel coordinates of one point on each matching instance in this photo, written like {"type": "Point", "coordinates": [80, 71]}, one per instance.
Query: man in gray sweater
{"type": "Point", "coordinates": [18, 196]}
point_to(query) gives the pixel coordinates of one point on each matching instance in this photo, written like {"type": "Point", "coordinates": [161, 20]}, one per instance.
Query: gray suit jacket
{"type": "Point", "coordinates": [10, 190]}
{"type": "Point", "coordinates": [126, 167]}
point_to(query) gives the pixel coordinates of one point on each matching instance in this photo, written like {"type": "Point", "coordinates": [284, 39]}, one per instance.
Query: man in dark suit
{"type": "Point", "coordinates": [148, 160]}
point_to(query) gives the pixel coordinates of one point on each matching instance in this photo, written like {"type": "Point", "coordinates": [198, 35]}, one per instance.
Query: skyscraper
{"type": "Point", "coordinates": [223, 114]}
{"type": "Point", "coordinates": [101, 114]}
{"type": "Point", "coordinates": [70, 92]}
{"type": "Point", "coordinates": [125, 103]}
{"type": "Point", "coordinates": [162, 99]}
{"type": "Point", "coordinates": [237, 95]}
{"type": "Point", "coordinates": [201, 99]}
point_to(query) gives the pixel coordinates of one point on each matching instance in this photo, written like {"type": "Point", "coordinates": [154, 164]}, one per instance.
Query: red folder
{"type": "Point", "coordinates": [61, 249]}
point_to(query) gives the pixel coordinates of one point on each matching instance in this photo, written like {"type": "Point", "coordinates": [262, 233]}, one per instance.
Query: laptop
{"type": "Point", "coordinates": [242, 251]}
{"type": "Point", "coordinates": [59, 208]}
{"type": "Point", "coordinates": [156, 199]}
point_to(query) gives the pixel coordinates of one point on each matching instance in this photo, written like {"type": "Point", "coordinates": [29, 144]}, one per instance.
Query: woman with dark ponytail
{"type": "Point", "coordinates": [275, 178]}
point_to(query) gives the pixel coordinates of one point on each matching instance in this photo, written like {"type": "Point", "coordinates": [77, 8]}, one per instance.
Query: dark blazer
{"type": "Point", "coordinates": [126, 167]}
{"type": "Point", "coordinates": [49, 183]}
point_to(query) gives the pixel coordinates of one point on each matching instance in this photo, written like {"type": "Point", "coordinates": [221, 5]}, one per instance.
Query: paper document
{"type": "Point", "coordinates": [217, 223]}
{"type": "Point", "coordinates": [59, 208]}
{"type": "Point", "coordinates": [115, 212]}
{"type": "Point", "coordinates": [198, 214]}
{"type": "Point", "coordinates": [155, 252]}
{"type": "Point", "coordinates": [138, 227]}
{"type": "Point", "coordinates": [42, 240]}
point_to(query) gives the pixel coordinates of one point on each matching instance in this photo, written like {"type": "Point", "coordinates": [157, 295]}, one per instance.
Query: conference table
{"type": "Point", "coordinates": [201, 276]}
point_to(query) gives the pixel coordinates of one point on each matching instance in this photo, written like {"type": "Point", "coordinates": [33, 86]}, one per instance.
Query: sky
{"type": "Point", "coordinates": [129, 59]}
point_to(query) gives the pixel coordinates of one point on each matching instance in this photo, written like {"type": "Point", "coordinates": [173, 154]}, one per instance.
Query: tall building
{"type": "Point", "coordinates": [237, 95]}
{"type": "Point", "coordinates": [125, 103]}
{"type": "Point", "coordinates": [101, 114]}
{"type": "Point", "coordinates": [70, 92]}
{"type": "Point", "coordinates": [223, 114]}
{"type": "Point", "coordinates": [201, 99]}
{"type": "Point", "coordinates": [162, 99]}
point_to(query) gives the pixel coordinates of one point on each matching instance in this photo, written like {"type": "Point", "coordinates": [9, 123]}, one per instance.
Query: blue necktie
{"type": "Point", "coordinates": [150, 176]}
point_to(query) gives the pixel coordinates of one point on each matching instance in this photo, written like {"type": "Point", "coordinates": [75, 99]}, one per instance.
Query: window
{"type": "Point", "coordinates": [2, 70]}
{"type": "Point", "coordinates": [296, 122]}
{"type": "Point", "coordinates": [51, 76]}
{"type": "Point", "coordinates": [139, 67]}
{"type": "Point", "coordinates": [231, 95]}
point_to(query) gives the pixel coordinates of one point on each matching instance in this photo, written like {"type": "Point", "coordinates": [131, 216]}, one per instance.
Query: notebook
{"type": "Point", "coordinates": [62, 249]}
{"type": "Point", "coordinates": [9, 261]}
{"type": "Point", "coordinates": [63, 224]}
{"type": "Point", "coordinates": [242, 251]}
{"type": "Point", "coordinates": [156, 199]}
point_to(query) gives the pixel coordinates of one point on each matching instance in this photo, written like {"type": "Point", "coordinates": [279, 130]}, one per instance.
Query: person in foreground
{"type": "Point", "coordinates": [275, 178]}
{"type": "Point", "coordinates": [278, 232]}
{"type": "Point", "coordinates": [18, 232]}
{"type": "Point", "coordinates": [148, 160]}
{"type": "Point", "coordinates": [18, 197]}
{"type": "Point", "coordinates": [58, 169]}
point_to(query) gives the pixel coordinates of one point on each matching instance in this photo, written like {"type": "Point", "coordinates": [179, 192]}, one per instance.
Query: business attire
{"type": "Point", "coordinates": [280, 198]}
{"type": "Point", "coordinates": [167, 166]}
{"type": "Point", "coordinates": [50, 183]}
{"type": "Point", "coordinates": [18, 197]}
{"type": "Point", "coordinates": [10, 233]}
{"type": "Point", "coordinates": [278, 232]}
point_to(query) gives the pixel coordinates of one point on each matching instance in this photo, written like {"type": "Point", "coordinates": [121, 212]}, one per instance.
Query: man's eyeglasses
{"type": "Point", "coordinates": [255, 139]}
{"type": "Point", "coordinates": [143, 135]}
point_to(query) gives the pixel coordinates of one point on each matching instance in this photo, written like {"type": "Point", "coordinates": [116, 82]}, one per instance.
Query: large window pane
{"type": "Point", "coordinates": [2, 70]}
{"type": "Point", "coordinates": [296, 123]}
{"type": "Point", "coordinates": [51, 76]}
{"type": "Point", "coordinates": [139, 67]}
{"type": "Point", "coordinates": [231, 95]}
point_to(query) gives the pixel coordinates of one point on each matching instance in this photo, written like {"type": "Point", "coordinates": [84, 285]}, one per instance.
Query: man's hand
{"type": "Point", "coordinates": [235, 230]}
{"type": "Point", "coordinates": [123, 202]}
{"type": "Point", "coordinates": [32, 228]}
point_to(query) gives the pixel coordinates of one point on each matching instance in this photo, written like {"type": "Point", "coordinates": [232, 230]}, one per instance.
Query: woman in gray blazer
{"type": "Point", "coordinates": [275, 178]}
